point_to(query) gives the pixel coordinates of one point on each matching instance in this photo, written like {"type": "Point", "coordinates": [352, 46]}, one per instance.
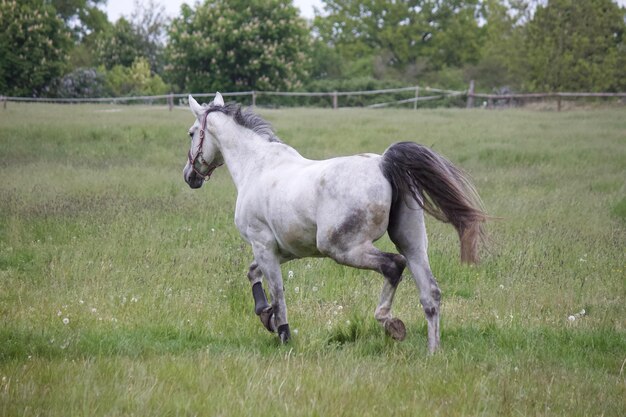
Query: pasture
{"type": "Point", "coordinates": [123, 292]}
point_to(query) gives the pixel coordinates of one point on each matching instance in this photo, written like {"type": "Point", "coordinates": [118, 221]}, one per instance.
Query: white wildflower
{"type": "Point", "coordinates": [66, 321]}
{"type": "Point", "coordinates": [571, 318]}
{"type": "Point", "coordinates": [290, 274]}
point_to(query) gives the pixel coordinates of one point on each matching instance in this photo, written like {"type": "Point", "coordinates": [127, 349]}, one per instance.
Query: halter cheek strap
{"type": "Point", "coordinates": [192, 159]}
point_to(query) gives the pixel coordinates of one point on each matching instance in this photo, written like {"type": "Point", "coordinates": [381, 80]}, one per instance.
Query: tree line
{"type": "Point", "coordinates": [69, 48]}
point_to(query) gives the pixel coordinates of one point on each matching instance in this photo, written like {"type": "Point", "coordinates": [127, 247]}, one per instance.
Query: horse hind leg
{"type": "Point", "coordinates": [390, 265]}
{"type": "Point", "coordinates": [407, 231]}
{"type": "Point", "coordinates": [393, 275]}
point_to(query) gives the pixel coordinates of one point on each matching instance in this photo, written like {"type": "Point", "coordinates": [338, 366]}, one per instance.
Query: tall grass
{"type": "Point", "coordinates": [123, 292]}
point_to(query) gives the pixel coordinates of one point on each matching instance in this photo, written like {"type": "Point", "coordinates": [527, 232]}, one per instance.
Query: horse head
{"type": "Point", "coordinates": [204, 156]}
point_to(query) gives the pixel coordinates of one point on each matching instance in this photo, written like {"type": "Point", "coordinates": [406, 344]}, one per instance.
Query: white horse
{"type": "Point", "coordinates": [291, 207]}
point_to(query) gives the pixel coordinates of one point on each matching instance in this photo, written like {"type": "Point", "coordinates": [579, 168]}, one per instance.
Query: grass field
{"type": "Point", "coordinates": [123, 292]}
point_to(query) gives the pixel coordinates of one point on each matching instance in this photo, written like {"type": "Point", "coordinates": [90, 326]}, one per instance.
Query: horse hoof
{"type": "Point", "coordinates": [267, 318]}
{"type": "Point", "coordinates": [283, 333]}
{"type": "Point", "coordinates": [395, 328]}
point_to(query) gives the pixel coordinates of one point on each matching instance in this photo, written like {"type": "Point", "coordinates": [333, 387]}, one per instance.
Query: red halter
{"type": "Point", "coordinates": [203, 169]}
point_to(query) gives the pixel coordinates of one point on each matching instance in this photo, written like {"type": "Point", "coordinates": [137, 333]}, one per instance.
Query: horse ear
{"type": "Point", "coordinates": [195, 107]}
{"type": "Point", "coordinates": [218, 100]}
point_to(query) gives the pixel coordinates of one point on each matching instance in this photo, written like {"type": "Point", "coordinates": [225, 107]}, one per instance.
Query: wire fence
{"type": "Point", "coordinates": [411, 96]}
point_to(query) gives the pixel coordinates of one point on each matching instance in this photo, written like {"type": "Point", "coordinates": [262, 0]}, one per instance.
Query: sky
{"type": "Point", "coordinates": [118, 8]}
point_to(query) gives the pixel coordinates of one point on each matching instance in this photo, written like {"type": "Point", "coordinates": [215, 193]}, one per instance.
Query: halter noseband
{"type": "Point", "coordinates": [204, 170]}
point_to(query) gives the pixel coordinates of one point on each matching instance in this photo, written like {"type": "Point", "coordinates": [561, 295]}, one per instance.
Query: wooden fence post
{"type": "Point", "coordinates": [470, 95]}
{"type": "Point", "coordinates": [170, 101]}
{"type": "Point", "coordinates": [253, 98]}
{"type": "Point", "coordinates": [335, 101]}
{"type": "Point", "coordinates": [4, 101]}
{"type": "Point", "coordinates": [558, 102]}
{"type": "Point", "coordinates": [417, 95]}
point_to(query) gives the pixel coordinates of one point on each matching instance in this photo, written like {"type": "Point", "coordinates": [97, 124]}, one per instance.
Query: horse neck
{"type": "Point", "coordinates": [246, 154]}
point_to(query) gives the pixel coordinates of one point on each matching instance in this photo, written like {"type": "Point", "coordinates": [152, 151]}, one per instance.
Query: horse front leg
{"type": "Point", "coordinates": [273, 318]}
{"type": "Point", "coordinates": [261, 307]}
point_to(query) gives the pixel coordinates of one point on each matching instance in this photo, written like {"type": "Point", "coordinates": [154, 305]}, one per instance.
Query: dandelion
{"type": "Point", "coordinates": [314, 289]}
{"type": "Point", "coordinates": [66, 321]}
{"type": "Point", "coordinates": [571, 318]}
{"type": "Point", "coordinates": [94, 310]}
{"type": "Point", "coordinates": [59, 313]}
{"type": "Point", "coordinates": [81, 302]}
{"type": "Point", "coordinates": [501, 286]}
{"type": "Point", "coordinates": [290, 274]}
{"type": "Point", "coordinates": [295, 331]}
{"type": "Point", "coordinates": [134, 300]}
{"type": "Point", "coordinates": [297, 290]}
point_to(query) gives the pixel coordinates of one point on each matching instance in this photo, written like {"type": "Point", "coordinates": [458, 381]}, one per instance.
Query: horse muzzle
{"type": "Point", "coordinates": [192, 178]}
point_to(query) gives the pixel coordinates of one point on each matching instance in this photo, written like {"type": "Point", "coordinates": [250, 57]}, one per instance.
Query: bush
{"type": "Point", "coordinates": [81, 83]}
{"type": "Point", "coordinates": [134, 81]}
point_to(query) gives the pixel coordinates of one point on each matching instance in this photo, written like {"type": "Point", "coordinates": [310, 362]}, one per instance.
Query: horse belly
{"type": "Point", "coordinates": [297, 240]}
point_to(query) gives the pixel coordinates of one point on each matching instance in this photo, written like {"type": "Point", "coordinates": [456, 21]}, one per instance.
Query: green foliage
{"type": "Point", "coordinates": [235, 45]}
{"type": "Point", "coordinates": [134, 80]}
{"type": "Point", "coordinates": [121, 45]}
{"type": "Point", "coordinates": [82, 16]}
{"type": "Point", "coordinates": [33, 47]}
{"type": "Point", "coordinates": [81, 83]}
{"type": "Point", "coordinates": [577, 46]}
{"type": "Point", "coordinates": [127, 40]}
{"type": "Point", "coordinates": [402, 40]}
{"type": "Point", "coordinates": [501, 60]}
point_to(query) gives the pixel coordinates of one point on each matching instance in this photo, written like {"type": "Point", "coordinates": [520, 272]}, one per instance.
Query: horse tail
{"type": "Point", "coordinates": [440, 189]}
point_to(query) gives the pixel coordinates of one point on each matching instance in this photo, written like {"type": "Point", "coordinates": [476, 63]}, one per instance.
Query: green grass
{"type": "Point", "coordinates": [123, 292]}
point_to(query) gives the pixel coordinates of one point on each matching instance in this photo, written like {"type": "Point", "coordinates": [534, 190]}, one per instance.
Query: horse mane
{"type": "Point", "coordinates": [247, 119]}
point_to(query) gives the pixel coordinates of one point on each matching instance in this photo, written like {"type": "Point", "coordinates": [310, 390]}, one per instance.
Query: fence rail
{"type": "Point", "coordinates": [428, 94]}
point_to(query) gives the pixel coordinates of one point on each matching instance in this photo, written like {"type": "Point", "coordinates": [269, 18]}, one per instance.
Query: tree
{"type": "Point", "coordinates": [33, 47]}
{"type": "Point", "coordinates": [577, 46]}
{"type": "Point", "coordinates": [236, 45]}
{"type": "Point", "coordinates": [411, 36]}
{"type": "Point", "coordinates": [502, 62]}
{"type": "Point", "coordinates": [120, 45]}
{"type": "Point", "coordinates": [81, 16]}
{"type": "Point", "coordinates": [127, 40]}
